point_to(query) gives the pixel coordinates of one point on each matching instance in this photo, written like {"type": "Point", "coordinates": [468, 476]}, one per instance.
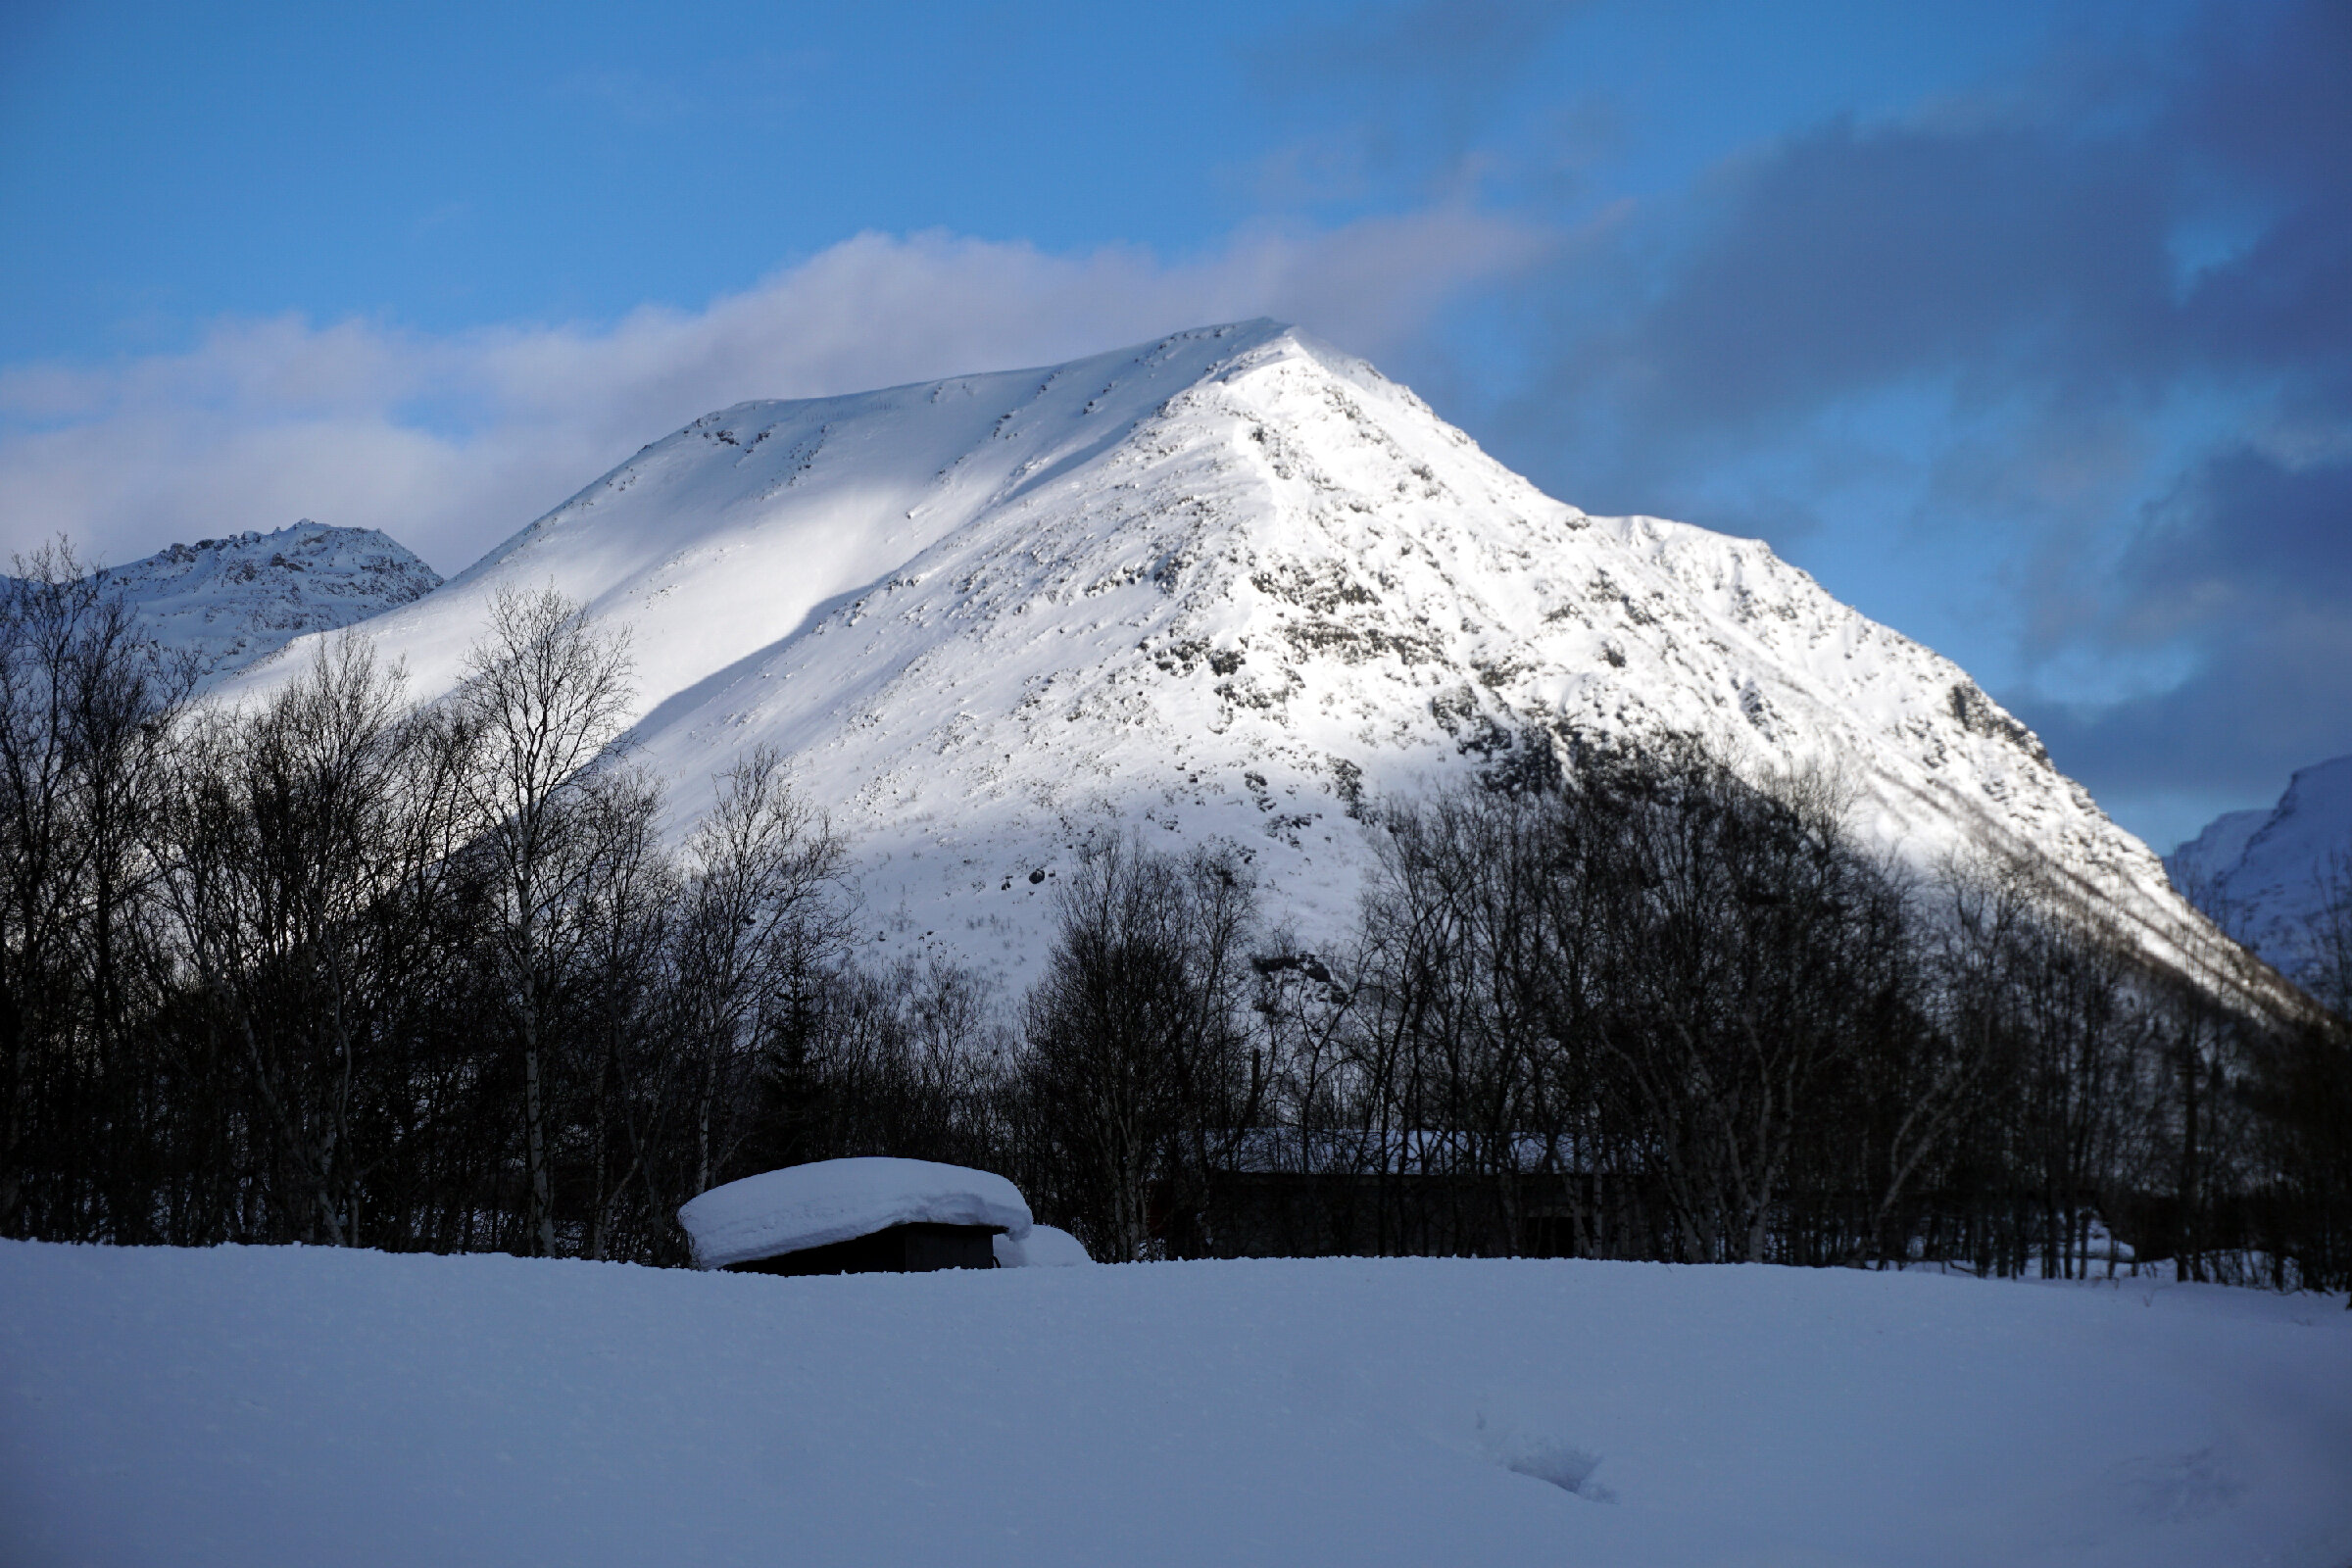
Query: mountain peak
{"type": "Point", "coordinates": [236, 600]}
{"type": "Point", "coordinates": [1232, 584]}
{"type": "Point", "coordinates": [2262, 874]}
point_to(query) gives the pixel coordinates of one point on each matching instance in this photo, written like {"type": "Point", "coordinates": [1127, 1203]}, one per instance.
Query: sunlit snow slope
{"type": "Point", "coordinates": [1231, 585]}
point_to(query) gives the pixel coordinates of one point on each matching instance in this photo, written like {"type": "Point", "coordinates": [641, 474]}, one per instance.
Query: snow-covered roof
{"type": "Point", "coordinates": [800, 1206]}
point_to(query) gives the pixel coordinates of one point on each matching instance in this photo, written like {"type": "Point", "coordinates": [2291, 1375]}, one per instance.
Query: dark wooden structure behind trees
{"type": "Point", "coordinates": [917, 1247]}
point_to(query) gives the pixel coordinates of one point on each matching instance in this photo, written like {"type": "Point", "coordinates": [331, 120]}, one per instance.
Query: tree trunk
{"type": "Point", "coordinates": [542, 1216]}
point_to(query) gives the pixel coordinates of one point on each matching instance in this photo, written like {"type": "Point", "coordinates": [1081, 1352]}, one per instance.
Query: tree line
{"type": "Point", "coordinates": [345, 969]}
{"type": "Point", "coordinates": [341, 968]}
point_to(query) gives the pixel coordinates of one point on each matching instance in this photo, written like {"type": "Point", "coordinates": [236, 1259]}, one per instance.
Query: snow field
{"type": "Point", "coordinates": [280, 1405]}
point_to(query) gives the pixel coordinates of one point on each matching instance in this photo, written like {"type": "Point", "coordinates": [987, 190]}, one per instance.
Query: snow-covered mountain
{"type": "Point", "coordinates": [236, 600]}
{"type": "Point", "coordinates": [2262, 874]}
{"type": "Point", "coordinates": [1234, 584]}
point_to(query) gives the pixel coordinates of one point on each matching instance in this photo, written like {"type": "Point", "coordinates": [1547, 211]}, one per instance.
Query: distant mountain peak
{"type": "Point", "coordinates": [238, 598]}
{"type": "Point", "coordinates": [2262, 874]}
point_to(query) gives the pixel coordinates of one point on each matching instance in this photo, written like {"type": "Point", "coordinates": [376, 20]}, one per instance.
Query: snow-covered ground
{"type": "Point", "coordinates": [267, 1406]}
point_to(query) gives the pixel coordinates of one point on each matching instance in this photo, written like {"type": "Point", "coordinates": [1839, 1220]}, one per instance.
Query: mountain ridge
{"type": "Point", "coordinates": [1229, 585]}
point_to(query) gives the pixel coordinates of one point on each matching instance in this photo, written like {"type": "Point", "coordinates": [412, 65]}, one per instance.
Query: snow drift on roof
{"type": "Point", "coordinates": [841, 1200]}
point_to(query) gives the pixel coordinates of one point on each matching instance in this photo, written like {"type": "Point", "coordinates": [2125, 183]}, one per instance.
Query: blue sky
{"type": "Point", "coordinates": [2027, 329]}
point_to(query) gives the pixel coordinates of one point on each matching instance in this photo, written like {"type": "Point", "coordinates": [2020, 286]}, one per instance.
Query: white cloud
{"type": "Point", "coordinates": [451, 443]}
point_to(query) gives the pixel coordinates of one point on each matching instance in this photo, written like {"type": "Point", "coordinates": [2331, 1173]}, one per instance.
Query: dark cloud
{"type": "Point", "coordinates": [2111, 318]}
{"type": "Point", "coordinates": [2272, 696]}
{"type": "Point", "coordinates": [1407, 94]}
{"type": "Point", "coordinates": [2269, 122]}
{"type": "Point", "coordinates": [1852, 258]}
{"type": "Point", "coordinates": [2249, 563]}
{"type": "Point", "coordinates": [2269, 98]}
{"type": "Point", "coordinates": [2246, 556]}
{"type": "Point", "coordinates": [1451, 52]}
{"type": "Point", "coordinates": [2244, 536]}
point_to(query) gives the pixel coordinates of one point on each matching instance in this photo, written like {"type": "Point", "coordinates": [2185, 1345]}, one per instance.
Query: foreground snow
{"type": "Point", "coordinates": [258, 1407]}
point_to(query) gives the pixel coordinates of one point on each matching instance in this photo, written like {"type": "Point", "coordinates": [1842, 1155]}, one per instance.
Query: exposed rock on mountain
{"type": "Point", "coordinates": [1234, 585]}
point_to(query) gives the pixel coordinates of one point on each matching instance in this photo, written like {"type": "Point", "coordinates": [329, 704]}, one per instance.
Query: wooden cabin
{"type": "Point", "coordinates": [917, 1247]}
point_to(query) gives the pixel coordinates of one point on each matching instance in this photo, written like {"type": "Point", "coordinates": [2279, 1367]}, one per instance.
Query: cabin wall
{"type": "Point", "coordinates": [918, 1248]}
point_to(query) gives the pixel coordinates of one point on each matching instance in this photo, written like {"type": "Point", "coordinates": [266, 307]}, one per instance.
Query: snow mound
{"type": "Point", "coordinates": [841, 1200]}
{"type": "Point", "coordinates": [1045, 1246]}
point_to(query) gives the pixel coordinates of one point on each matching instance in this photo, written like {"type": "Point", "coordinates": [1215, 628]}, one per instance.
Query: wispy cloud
{"type": "Point", "coordinates": [451, 442]}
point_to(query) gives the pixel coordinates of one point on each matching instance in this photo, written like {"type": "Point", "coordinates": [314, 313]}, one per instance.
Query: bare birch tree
{"type": "Point", "coordinates": [763, 922]}
{"type": "Point", "coordinates": [546, 691]}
